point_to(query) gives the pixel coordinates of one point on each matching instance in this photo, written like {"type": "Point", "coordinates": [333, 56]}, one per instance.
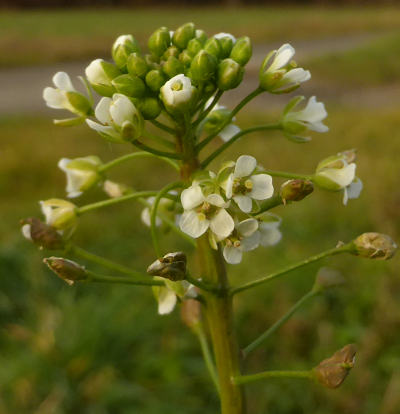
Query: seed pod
{"type": "Point", "coordinates": [65, 269]}
{"type": "Point", "coordinates": [375, 246]}
{"type": "Point", "coordinates": [42, 234]}
{"type": "Point", "coordinates": [296, 190]}
{"type": "Point", "coordinates": [172, 266]}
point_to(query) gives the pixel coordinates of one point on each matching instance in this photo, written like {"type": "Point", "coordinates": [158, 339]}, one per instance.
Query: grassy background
{"type": "Point", "coordinates": [95, 349]}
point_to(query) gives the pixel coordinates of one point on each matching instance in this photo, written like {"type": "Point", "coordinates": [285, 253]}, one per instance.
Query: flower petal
{"type": "Point", "coordinates": [232, 255]}
{"type": "Point", "coordinates": [282, 57]}
{"type": "Point", "coordinates": [222, 224]}
{"type": "Point", "coordinates": [262, 187]}
{"type": "Point", "coordinates": [216, 200]}
{"type": "Point", "coordinates": [270, 234]}
{"type": "Point", "coordinates": [252, 242]}
{"type": "Point", "coordinates": [191, 224]}
{"type": "Point", "coordinates": [228, 132]}
{"type": "Point", "coordinates": [122, 109]}
{"type": "Point", "coordinates": [228, 186]}
{"type": "Point", "coordinates": [245, 165]}
{"type": "Point", "coordinates": [192, 197]}
{"type": "Point", "coordinates": [247, 227]}
{"type": "Point", "coordinates": [63, 82]}
{"type": "Point", "coordinates": [54, 98]}
{"type": "Point", "coordinates": [108, 130]}
{"type": "Point", "coordinates": [297, 75]}
{"type": "Point", "coordinates": [102, 111]}
{"type": "Point", "coordinates": [166, 301]}
{"type": "Point", "coordinates": [244, 202]}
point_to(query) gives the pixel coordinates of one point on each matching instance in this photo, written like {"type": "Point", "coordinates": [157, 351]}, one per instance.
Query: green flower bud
{"type": "Point", "coordinates": [183, 34]}
{"type": "Point", "coordinates": [100, 74]}
{"type": "Point", "coordinates": [209, 88]}
{"type": "Point", "coordinates": [203, 66]}
{"type": "Point", "coordinates": [213, 47]}
{"type": "Point", "coordinates": [42, 234]}
{"type": "Point", "coordinates": [201, 36]}
{"type": "Point", "coordinates": [151, 61]}
{"type": "Point", "coordinates": [194, 46]}
{"type": "Point", "coordinates": [296, 190]}
{"type": "Point", "coordinates": [136, 65]}
{"type": "Point", "coordinates": [226, 41]}
{"type": "Point", "coordinates": [172, 266]}
{"type": "Point", "coordinates": [230, 74]}
{"type": "Point", "coordinates": [159, 41]}
{"type": "Point", "coordinates": [131, 86]}
{"type": "Point", "coordinates": [374, 246]}
{"type": "Point", "coordinates": [149, 107]}
{"type": "Point", "coordinates": [122, 48]}
{"type": "Point", "coordinates": [79, 103]}
{"type": "Point", "coordinates": [173, 67]}
{"type": "Point", "coordinates": [155, 79]}
{"type": "Point", "coordinates": [171, 51]}
{"type": "Point", "coordinates": [242, 51]}
{"type": "Point", "coordinates": [331, 372]}
{"type": "Point", "coordinates": [67, 270]}
{"type": "Point", "coordinates": [186, 58]}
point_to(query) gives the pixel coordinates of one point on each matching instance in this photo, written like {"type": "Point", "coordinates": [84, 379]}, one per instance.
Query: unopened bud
{"type": "Point", "coordinates": [183, 34]}
{"type": "Point", "coordinates": [42, 234]}
{"type": "Point", "coordinates": [65, 269]}
{"type": "Point", "coordinates": [171, 51]}
{"type": "Point", "coordinates": [194, 46]}
{"type": "Point", "coordinates": [131, 86]}
{"type": "Point", "coordinates": [115, 190]}
{"type": "Point", "coordinates": [213, 47]}
{"type": "Point", "coordinates": [100, 74]}
{"type": "Point", "coordinates": [155, 79]}
{"type": "Point", "coordinates": [226, 41]}
{"type": "Point", "coordinates": [159, 41]}
{"type": "Point", "coordinates": [122, 48]}
{"type": "Point", "coordinates": [191, 313]}
{"type": "Point", "coordinates": [242, 51]}
{"type": "Point", "coordinates": [172, 266]}
{"type": "Point", "coordinates": [331, 372]}
{"type": "Point", "coordinates": [173, 66]}
{"type": "Point", "coordinates": [374, 246]}
{"type": "Point", "coordinates": [230, 74]}
{"type": "Point", "coordinates": [203, 66]}
{"type": "Point", "coordinates": [137, 65]}
{"type": "Point", "coordinates": [328, 278]}
{"type": "Point", "coordinates": [149, 107]}
{"type": "Point", "coordinates": [201, 36]}
{"type": "Point", "coordinates": [186, 58]}
{"type": "Point", "coordinates": [296, 190]}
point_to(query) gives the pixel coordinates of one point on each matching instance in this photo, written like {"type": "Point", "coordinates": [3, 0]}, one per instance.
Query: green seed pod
{"type": "Point", "coordinates": [242, 51]}
{"type": "Point", "coordinates": [131, 86]}
{"type": "Point", "coordinates": [230, 74]}
{"type": "Point", "coordinates": [173, 66]}
{"type": "Point", "coordinates": [194, 46]}
{"type": "Point", "coordinates": [203, 66]}
{"type": "Point", "coordinates": [201, 36]}
{"type": "Point", "coordinates": [136, 65]}
{"type": "Point", "coordinates": [155, 79]}
{"type": "Point", "coordinates": [122, 48]}
{"type": "Point", "coordinates": [149, 107]}
{"type": "Point", "coordinates": [186, 58]}
{"type": "Point", "coordinates": [183, 34]}
{"type": "Point", "coordinates": [213, 47]}
{"type": "Point", "coordinates": [159, 41]}
{"type": "Point", "coordinates": [171, 51]}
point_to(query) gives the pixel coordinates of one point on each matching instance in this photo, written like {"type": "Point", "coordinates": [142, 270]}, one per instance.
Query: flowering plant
{"type": "Point", "coordinates": [223, 213]}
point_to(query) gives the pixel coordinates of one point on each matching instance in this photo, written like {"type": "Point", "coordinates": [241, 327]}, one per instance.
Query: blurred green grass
{"type": "Point", "coordinates": [38, 37]}
{"type": "Point", "coordinates": [95, 349]}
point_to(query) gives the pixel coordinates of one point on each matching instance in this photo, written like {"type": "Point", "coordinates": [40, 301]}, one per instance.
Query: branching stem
{"type": "Point", "coordinates": [244, 379]}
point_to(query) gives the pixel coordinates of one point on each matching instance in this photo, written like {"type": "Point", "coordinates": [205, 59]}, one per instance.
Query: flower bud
{"type": "Point", "coordinates": [194, 46]}
{"type": "Point", "coordinates": [201, 36]}
{"type": "Point", "coordinates": [172, 266]}
{"type": "Point", "coordinates": [191, 313]}
{"type": "Point", "coordinates": [173, 67]}
{"type": "Point", "coordinates": [183, 34]}
{"type": "Point", "coordinates": [203, 66]}
{"type": "Point", "coordinates": [213, 47]}
{"type": "Point", "coordinates": [375, 246]}
{"type": "Point", "coordinates": [230, 74]}
{"type": "Point", "coordinates": [42, 234]}
{"type": "Point", "coordinates": [149, 107]}
{"type": "Point", "coordinates": [65, 269]}
{"type": "Point", "coordinates": [131, 86]}
{"type": "Point", "coordinates": [242, 51]}
{"type": "Point", "coordinates": [171, 51]}
{"type": "Point", "coordinates": [122, 48]}
{"type": "Point", "coordinates": [331, 372]}
{"type": "Point", "coordinates": [328, 278]}
{"type": "Point", "coordinates": [159, 41]}
{"type": "Point", "coordinates": [137, 65]}
{"type": "Point", "coordinates": [186, 58]}
{"type": "Point", "coordinates": [115, 190]}
{"type": "Point", "coordinates": [226, 41]}
{"type": "Point", "coordinates": [100, 74]}
{"type": "Point", "coordinates": [155, 79]}
{"type": "Point", "coordinates": [151, 61]}
{"type": "Point", "coordinates": [82, 174]}
{"type": "Point", "coordinates": [296, 190]}
{"type": "Point", "coordinates": [178, 93]}
{"type": "Point", "coordinates": [60, 214]}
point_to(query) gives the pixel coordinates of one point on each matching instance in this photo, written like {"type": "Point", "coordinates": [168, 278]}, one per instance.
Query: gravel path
{"type": "Point", "coordinates": [21, 88]}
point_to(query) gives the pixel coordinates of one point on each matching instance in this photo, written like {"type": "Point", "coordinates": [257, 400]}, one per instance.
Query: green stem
{"type": "Point", "coordinates": [238, 107]}
{"type": "Point", "coordinates": [154, 151]}
{"type": "Point", "coordinates": [271, 330]}
{"type": "Point", "coordinates": [133, 155]}
{"type": "Point", "coordinates": [201, 285]}
{"type": "Point", "coordinates": [207, 356]}
{"type": "Point", "coordinates": [94, 277]}
{"type": "Point", "coordinates": [210, 107]}
{"type": "Point", "coordinates": [285, 174]}
{"type": "Point", "coordinates": [162, 126]}
{"type": "Point", "coordinates": [111, 201]}
{"type": "Point", "coordinates": [78, 251]}
{"type": "Point", "coordinates": [227, 144]}
{"type": "Point", "coordinates": [244, 379]}
{"type": "Point", "coordinates": [160, 140]}
{"type": "Point", "coordinates": [162, 193]}
{"type": "Point", "coordinates": [331, 252]}
{"type": "Point", "coordinates": [266, 205]}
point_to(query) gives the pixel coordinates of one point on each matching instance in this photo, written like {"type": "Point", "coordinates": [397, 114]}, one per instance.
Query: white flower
{"type": "Point", "coordinates": [96, 74]}
{"type": "Point", "coordinates": [122, 40]}
{"type": "Point", "coordinates": [203, 212]}
{"type": "Point", "coordinates": [353, 190]}
{"type": "Point", "coordinates": [167, 295]}
{"type": "Point", "coordinates": [311, 117]}
{"type": "Point", "coordinates": [177, 92]}
{"type": "Point", "coordinates": [269, 230]}
{"type": "Point", "coordinates": [281, 75]}
{"type": "Point", "coordinates": [119, 118]}
{"type": "Point", "coordinates": [242, 186]}
{"type": "Point", "coordinates": [60, 214]}
{"type": "Point", "coordinates": [222, 35]}
{"type": "Point", "coordinates": [65, 96]}
{"type": "Point", "coordinates": [244, 238]}
{"type": "Point", "coordinates": [82, 173]}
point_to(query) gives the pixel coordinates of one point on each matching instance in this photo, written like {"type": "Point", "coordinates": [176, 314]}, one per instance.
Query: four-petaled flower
{"type": "Point", "coordinates": [203, 212]}
{"type": "Point", "coordinates": [177, 92]}
{"type": "Point", "coordinates": [244, 187]}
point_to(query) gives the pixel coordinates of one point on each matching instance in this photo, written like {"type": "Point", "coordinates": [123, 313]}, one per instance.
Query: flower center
{"type": "Point", "coordinates": [242, 186]}
{"type": "Point", "coordinates": [234, 240]}
{"type": "Point", "coordinates": [206, 211]}
{"type": "Point", "coordinates": [177, 86]}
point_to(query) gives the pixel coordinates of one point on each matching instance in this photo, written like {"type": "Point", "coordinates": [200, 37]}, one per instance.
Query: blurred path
{"type": "Point", "coordinates": [21, 88]}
